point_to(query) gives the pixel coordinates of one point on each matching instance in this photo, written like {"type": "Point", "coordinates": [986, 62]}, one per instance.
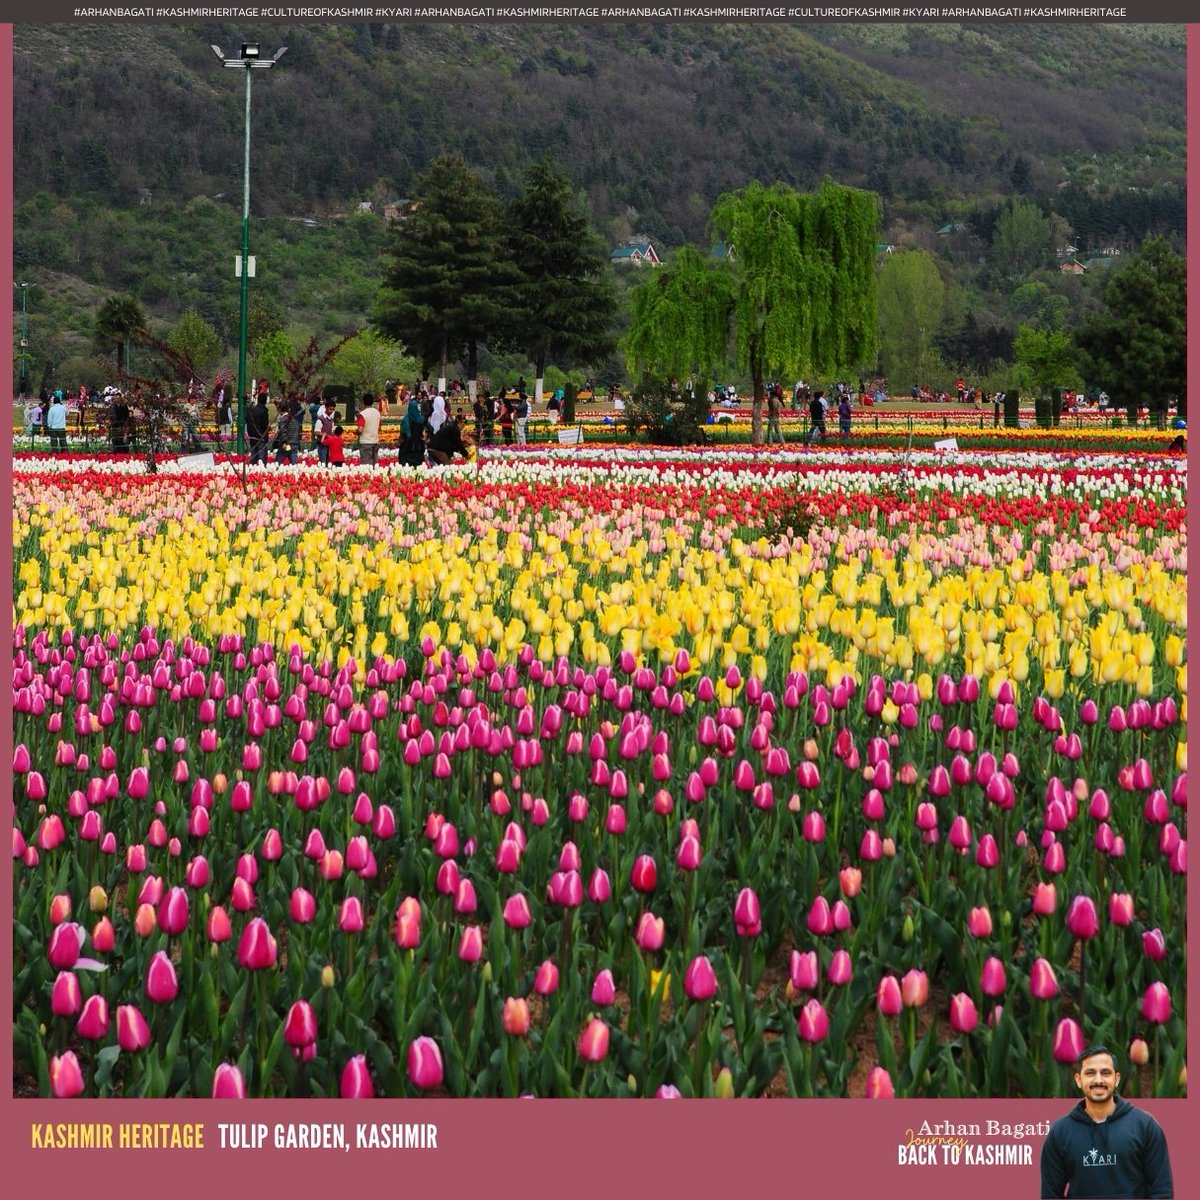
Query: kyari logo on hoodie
{"type": "Point", "coordinates": [1094, 1158]}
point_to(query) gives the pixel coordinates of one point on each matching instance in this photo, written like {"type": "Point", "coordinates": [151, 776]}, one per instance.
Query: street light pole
{"type": "Point", "coordinates": [248, 60]}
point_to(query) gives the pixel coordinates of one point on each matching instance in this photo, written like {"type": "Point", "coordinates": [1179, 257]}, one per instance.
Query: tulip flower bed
{"type": "Point", "coordinates": [555, 775]}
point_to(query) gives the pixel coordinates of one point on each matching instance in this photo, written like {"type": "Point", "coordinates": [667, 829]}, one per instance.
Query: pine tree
{"type": "Point", "coordinates": [450, 283]}
{"type": "Point", "coordinates": [566, 303]}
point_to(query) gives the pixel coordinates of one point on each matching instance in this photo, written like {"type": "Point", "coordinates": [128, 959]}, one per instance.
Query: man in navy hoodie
{"type": "Point", "coordinates": [1104, 1147]}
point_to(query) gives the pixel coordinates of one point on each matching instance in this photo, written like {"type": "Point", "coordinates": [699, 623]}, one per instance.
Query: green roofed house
{"type": "Point", "coordinates": [722, 253]}
{"type": "Point", "coordinates": [953, 227]}
{"type": "Point", "coordinates": [637, 251]}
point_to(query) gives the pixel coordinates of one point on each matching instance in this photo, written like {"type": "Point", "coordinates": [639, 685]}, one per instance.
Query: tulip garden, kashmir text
{"type": "Point", "coordinates": [601, 771]}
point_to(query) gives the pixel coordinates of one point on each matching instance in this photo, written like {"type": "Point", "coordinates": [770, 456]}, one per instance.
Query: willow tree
{"type": "Point", "coordinates": [680, 318]}
{"type": "Point", "coordinates": [803, 279]}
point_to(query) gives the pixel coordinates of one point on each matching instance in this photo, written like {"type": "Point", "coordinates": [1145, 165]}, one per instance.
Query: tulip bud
{"type": "Point", "coordinates": [887, 996]}
{"type": "Point", "coordinates": [700, 980]}
{"type": "Point", "coordinates": [1139, 1052]}
{"type": "Point", "coordinates": [1042, 983]}
{"type": "Point", "coordinates": [1082, 920]}
{"type": "Point", "coordinates": [66, 999]}
{"type": "Point", "coordinates": [1156, 1003]}
{"type": "Point", "coordinates": [992, 980]}
{"type": "Point", "coordinates": [723, 1088]}
{"type": "Point", "coordinates": [603, 988]}
{"type": "Point", "coordinates": [747, 917]}
{"type": "Point", "coordinates": [161, 984]}
{"type": "Point", "coordinates": [133, 1032]}
{"type": "Point", "coordinates": [300, 1029]}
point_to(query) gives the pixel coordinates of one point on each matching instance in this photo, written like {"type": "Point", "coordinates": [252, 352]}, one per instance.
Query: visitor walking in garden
{"type": "Point", "coordinates": [368, 433]}
{"type": "Point", "coordinates": [287, 440]}
{"type": "Point", "coordinates": [56, 423]}
{"type": "Point", "coordinates": [774, 408]}
{"type": "Point", "coordinates": [506, 420]}
{"type": "Point", "coordinates": [258, 425]}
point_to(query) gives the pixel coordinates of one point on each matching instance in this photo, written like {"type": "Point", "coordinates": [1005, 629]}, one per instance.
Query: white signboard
{"type": "Point", "coordinates": [946, 444]}
{"type": "Point", "coordinates": [571, 436]}
{"type": "Point", "coordinates": [194, 462]}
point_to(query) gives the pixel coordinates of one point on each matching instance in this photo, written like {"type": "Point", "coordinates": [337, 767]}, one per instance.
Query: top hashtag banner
{"type": "Point", "coordinates": [1133, 11]}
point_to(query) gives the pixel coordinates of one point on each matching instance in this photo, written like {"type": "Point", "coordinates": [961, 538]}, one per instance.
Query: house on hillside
{"type": "Point", "coordinates": [1073, 267]}
{"type": "Point", "coordinates": [883, 249]}
{"type": "Point", "coordinates": [637, 251]}
{"type": "Point", "coordinates": [722, 253]}
{"type": "Point", "coordinates": [951, 228]}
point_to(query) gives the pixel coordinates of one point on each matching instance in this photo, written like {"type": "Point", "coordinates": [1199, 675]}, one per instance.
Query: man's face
{"type": "Point", "coordinates": [1097, 1078]}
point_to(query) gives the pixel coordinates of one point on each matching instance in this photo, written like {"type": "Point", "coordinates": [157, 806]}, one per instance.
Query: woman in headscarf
{"type": "Point", "coordinates": [438, 416]}
{"type": "Point", "coordinates": [413, 427]}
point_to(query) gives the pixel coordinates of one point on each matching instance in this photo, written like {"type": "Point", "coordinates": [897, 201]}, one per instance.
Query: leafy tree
{"type": "Point", "coordinates": [449, 284]}
{"type": "Point", "coordinates": [195, 338]}
{"type": "Point", "coordinates": [566, 303]}
{"type": "Point", "coordinates": [1045, 359]}
{"type": "Point", "coordinates": [681, 318]}
{"type": "Point", "coordinates": [1035, 304]}
{"type": "Point", "coordinates": [911, 303]}
{"type": "Point", "coordinates": [269, 354]}
{"type": "Point", "coordinates": [1021, 239]}
{"type": "Point", "coordinates": [120, 321]}
{"type": "Point", "coordinates": [369, 359]}
{"type": "Point", "coordinates": [803, 279]}
{"type": "Point", "coordinates": [1137, 346]}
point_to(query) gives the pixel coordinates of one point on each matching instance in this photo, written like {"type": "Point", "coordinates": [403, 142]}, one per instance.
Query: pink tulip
{"type": "Point", "coordinates": [133, 1033]}
{"type": "Point", "coordinates": [963, 1017]}
{"type": "Point", "coordinates": [887, 996]}
{"type": "Point", "coordinates": [516, 912]}
{"type": "Point", "coordinates": [1082, 920]}
{"type": "Point", "coordinates": [356, 1079]}
{"type": "Point", "coordinates": [161, 985]}
{"type": "Point", "coordinates": [979, 922]}
{"type": "Point", "coordinates": [593, 1041]}
{"type": "Point", "coordinates": [66, 1079]}
{"type": "Point", "coordinates": [228, 1083]}
{"type": "Point", "coordinates": [408, 923]}
{"type": "Point", "coordinates": [470, 944]}
{"type": "Point", "coordinates": [747, 916]}
{"type": "Point", "coordinates": [93, 1021]}
{"type": "Point", "coordinates": [300, 1030]}
{"type": "Point", "coordinates": [66, 940]}
{"type": "Point", "coordinates": [425, 1064]}
{"type": "Point", "coordinates": [1156, 1003]}
{"type": "Point", "coordinates": [820, 917]}
{"type": "Point", "coordinates": [879, 1085]}
{"type": "Point", "coordinates": [66, 999]}
{"type": "Point", "coordinates": [992, 980]}
{"type": "Point", "coordinates": [1042, 983]}
{"type": "Point", "coordinates": [700, 980]}
{"type": "Point", "coordinates": [1044, 899]}
{"type": "Point", "coordinates": [173, 912]}
{"type": "Point", "coordinates": [256, 949]}
{"type": "Point", "coordinates": [841, 969]}
{"type": "Point", "coordinates": [644, 875]}
{"type": "Point", "coordinates": [218, 928]}
{"type": "Point", "coordinates": [1068, 1041]}
{"type": "Point", "coordinates": [813, 1023]}
{"type": "Point", "coordinates": [650, 932]}
{"type": "Point", "coordinates": [545, 982]}
{"type": "Point", "coordinates": [1154, 945]}
{"type": "Point", "coordinates": [604, 990]}
{"type": "Point", "coordinates": [914, 988]}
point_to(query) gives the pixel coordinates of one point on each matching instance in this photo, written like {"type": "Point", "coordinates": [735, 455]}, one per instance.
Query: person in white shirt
{"type": "Point", "coordinates": [368, 434]}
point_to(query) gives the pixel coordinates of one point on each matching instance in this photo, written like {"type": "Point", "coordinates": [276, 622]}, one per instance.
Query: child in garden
{"type": "Point", "coordinates": [335, 447]}
{"type": "Point", "coordinates": [844, 417]}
